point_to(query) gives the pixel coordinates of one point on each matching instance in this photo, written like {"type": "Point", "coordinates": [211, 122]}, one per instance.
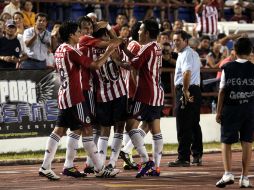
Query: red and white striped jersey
{"type": "Point", "coordinates": [207, 20]}
{"type": "Point", "coordinates": [128, 76]}
{"type": "Point", "coordinates": [85, 46]}
{"type": "Point", "coordinates": [68, 62]}
{"type": "Point", "coordinates": [108, 79]}
{"type": "Point", "coordinates": [148, 62]}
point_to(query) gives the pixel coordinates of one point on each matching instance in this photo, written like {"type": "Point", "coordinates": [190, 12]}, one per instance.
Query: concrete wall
{"type": "Point", "coordinates": [210, 130]}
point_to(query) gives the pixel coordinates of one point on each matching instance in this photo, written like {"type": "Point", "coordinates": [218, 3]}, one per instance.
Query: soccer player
{"type": "Point", "coordinates": [73, 113]}
{"type": "Point", "coordinates": [147, 106]}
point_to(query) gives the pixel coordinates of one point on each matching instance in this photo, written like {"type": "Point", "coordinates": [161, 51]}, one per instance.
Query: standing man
{"type": "Point", "coordinates": [235, 111]}
{"type": "Point", "coordinates": [188, 102]}
{"type": "Point", "coordinates": [38, 41]}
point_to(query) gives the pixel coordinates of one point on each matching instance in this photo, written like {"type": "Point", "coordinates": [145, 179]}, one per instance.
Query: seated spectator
{"type": "Point", "coordinates": [38, 43]}
{"type": "Point", "coordinates": [19, 21]}
{"type": "Point", "coordinates": [238, 14]}
{"type": "Point", "coordinates": [1, 28]}
{"type": "Point", "coordinates": [5, 16]}
{"type": "Point", "coordinates": [12, 7]}
{"type": "Point", "coordinates": [28, 14]}
{"type": "Point", "coordinates": [10, 49]}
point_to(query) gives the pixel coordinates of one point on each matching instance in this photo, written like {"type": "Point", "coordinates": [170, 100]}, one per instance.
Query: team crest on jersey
{"type": "Point", "coordinates": [17, 49]}
{"type": "Point", "coordinates": [88, 119]}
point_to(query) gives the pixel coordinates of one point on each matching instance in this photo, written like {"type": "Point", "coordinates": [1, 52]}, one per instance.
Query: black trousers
{"type": "Point", "coordinates": [189, 134]}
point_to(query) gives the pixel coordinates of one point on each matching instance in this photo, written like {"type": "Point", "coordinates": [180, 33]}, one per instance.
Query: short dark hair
{"type": "Point", "coordinates": [66, 29]}
{"type": "Point", "coordinates": [99, 33]}
{"type": "Point", "coordinates": [134, 31]}
{"type": "Point", "coordinates": [243, 46]}
{"type": "Point", "coordinates": [152, 27]}
{"type": "Point", "coordinates": [84, 19]}
{"type": "Point", "coordinates": [41, 15]}
{"type": "Point", "coordinates": [205, 38]}
{"type": "Point", "coordinates": [184, 35]}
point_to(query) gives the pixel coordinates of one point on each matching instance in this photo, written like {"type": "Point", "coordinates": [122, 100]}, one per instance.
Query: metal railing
{"type": "Point", "coordinates": [171, 94]}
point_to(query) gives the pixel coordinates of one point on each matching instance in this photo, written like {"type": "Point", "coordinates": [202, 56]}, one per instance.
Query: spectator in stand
{"type": "Point", "coordinates": [121, 20]}
{"type": "Point", "coordinates": [168, 61]}
{"type": "Point", "coordinates": [178, 25]}
{"type": "Point", "coordinates": [207, 18]}
{"type": "Point", "coordinates": [55, 36]}
{"type": "Point", "coordinates": [204, 48]}
{"type": "Point", "coordinates": [12, 7]}
{"type": "Point", "coordinates": [1, 28]}
{"type": "Point", "coordinates": [38, 43]}
{"type": "Point", "coordinates": [194, 43]}
{"type": "Point", "coordinates": [19, 21]}
{"type": "Point", "coordinates": [231, 57]}
{"type": "Point", "coordinates": [166, 26]}
{"type": "Point", "coordinates": [10, 49]}
{"type": "Point", "coordinates": [132, 21]}
{"type": "Point", "coordinates": [5, 16]}
{"type": "Point", "coordinates": [214, 56]}
{"type": "Point", "coordinates": [29, 15]}
{"type": "Point", "coordinates": [164, 37]}
{"type": "Point", "coordinates": [238, 14]}
{"type": "Point", "coordinates": [124, 32]}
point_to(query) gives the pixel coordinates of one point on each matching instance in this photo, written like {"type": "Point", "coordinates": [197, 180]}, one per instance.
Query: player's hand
{"type": "Point", "coordinates": [218, 118]}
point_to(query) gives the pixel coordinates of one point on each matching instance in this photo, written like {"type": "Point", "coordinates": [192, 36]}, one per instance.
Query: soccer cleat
{"type": "Point", "coordinates": [50, 174]}
{"type": "Point", "coordinates": [179, 163]}
{"type": "Point", "coordinates": [145, 167]}
{"type": "Point", "coordinates": [128, 167]}
{"type": "Point", "coordinates": [88, 169]}
{"type": "Point", "coordinates": [225, 180]}
{"type": "Point", "coordinates": [244, 182]}
{"type": "Point", "coordinates": [73, 172]}
{"type": "Point", "coordinates": [126, 158]}
{"type": "Point", "coordinates": [154, 172]}
{"type": "Point", "coordinates": [197, 161]}
{"type": "Point", "coordinates": [107, 172]}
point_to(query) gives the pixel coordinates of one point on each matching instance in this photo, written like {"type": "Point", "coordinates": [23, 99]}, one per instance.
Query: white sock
{"type": "Point", "coordinates": [96, 135]}
{"type": "Point", "coordinates": [126, 138]}
{"type": "Point", "coordinates": [102, 148]}
{"type": "Point", "coordinates": [92, 151]}
{"type": "Point", "coordinates": [115, 148]}
{"type": "Point", "coordinates": [128, 147]}
{"type": "Point", "coordinates": [139, 144]}
{"type": "Point", "coordinates": [71, 150]}
{"type": "Point", "coordinates": [142, 132]}
{"type": "Point", "coordinates": [50, 151]}
{"type": "Point", "coordinates": [157, 149]}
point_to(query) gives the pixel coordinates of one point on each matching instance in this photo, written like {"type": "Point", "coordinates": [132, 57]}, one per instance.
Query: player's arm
{"type": "Point", "coordinates": [221, 97]}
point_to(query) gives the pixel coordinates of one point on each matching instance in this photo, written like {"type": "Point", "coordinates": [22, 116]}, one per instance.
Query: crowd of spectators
{"type": "Point", "coordinates": [31, 44]}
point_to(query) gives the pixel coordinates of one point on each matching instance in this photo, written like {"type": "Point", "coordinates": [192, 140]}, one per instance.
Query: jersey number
{"type": "Point", "coordinates": [109, 72]}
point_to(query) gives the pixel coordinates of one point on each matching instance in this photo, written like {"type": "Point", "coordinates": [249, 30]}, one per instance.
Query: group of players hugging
{"type": "Point", "coordinates": [107, 81]}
